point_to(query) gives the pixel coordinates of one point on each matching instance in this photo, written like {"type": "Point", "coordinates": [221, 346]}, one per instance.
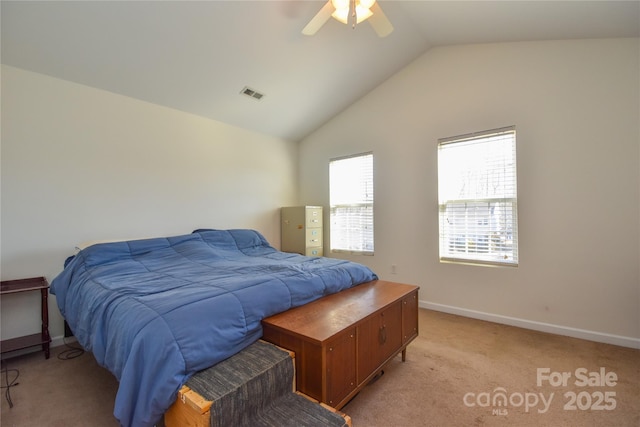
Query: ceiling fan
{"type": "Point", "coordinates": [351, 12]}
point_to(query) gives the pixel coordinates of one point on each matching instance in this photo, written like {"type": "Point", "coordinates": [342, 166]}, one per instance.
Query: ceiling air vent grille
{"type": "Point", "coordinates": [252, 93]}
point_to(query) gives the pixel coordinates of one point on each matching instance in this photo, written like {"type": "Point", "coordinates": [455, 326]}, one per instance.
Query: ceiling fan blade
{"type": "Point", "coordinates": [379, 21]}
{"type": "Point", "coordinates": [319, 20]}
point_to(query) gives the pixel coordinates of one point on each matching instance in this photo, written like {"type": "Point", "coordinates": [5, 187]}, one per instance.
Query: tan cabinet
{"type": "Point", "coordinates": [343, 340]}
{"type": "Point", "coordinates": [301, 230]}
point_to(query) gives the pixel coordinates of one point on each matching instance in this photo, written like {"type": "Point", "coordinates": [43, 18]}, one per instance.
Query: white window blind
{"type": "Point", "coordinates": [477, 191]}
{"type": "Point", "coordinates": [351, 204]}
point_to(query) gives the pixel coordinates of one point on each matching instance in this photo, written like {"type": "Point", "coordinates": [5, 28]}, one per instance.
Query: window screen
{"type": "Point", "coordinates": [351, 204]}
{"type": "Point", "coordinates": [477, 193]}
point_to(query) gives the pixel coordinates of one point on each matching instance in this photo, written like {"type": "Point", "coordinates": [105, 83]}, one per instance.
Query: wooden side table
{"type": "Point", "coordinates": [43, 338]}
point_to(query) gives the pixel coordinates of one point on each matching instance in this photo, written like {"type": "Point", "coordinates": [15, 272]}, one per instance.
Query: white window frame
{"type": "Point", "coordinates": [477, 196]}
{"type": "Point", "coordinates": [351, 204]}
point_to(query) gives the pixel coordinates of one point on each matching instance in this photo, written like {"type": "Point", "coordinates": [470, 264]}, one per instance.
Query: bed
{"type": "Point", "coordinates": [156, 311]}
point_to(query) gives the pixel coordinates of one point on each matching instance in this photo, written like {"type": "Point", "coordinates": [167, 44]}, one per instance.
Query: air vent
{"type": "Point", "coordinates": [252, 93]}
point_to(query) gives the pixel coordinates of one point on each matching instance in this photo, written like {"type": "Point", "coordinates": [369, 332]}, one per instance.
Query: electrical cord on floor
{"type": "Point", "coordinates": [71, 352]}
{"type": "Point", "coordinates": [8, 383]}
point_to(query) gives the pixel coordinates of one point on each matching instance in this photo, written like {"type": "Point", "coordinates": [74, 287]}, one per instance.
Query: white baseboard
{"type": "Point", "coordinates": [536, 326]}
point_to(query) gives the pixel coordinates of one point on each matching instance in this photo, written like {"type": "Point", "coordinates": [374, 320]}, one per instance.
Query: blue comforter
{"type": "Point", "coordinates": [156, 311]}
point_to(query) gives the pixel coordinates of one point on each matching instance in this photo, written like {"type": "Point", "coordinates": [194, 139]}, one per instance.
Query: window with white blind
{"type": "Point", "coordinates": [351, 204]}
{"type": "Point", "coordinates": [477, 192]}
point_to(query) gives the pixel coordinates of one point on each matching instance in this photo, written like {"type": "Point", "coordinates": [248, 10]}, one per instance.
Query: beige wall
{"type": "Point", "coordinates": [575, 105]}
{"type": "Point", "coordinates": [81, 164]}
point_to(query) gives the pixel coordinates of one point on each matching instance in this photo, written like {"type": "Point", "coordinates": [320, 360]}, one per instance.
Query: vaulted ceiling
{"type": "Point", "coordinates": [197, 56]}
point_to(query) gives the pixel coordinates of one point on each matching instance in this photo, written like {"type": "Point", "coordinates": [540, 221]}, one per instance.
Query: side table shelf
{"type": "Point", "coordinates": [43, 338]}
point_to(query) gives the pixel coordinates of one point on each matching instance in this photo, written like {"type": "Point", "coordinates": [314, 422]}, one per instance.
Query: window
{"type": "Point", "coordinates": [351, 203]}
{"type": "Point", "coordinates": [477, 194]}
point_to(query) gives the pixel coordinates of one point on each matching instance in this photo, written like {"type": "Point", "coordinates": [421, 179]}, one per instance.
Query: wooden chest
{"type": "Point", "coordinates": [343, 340]}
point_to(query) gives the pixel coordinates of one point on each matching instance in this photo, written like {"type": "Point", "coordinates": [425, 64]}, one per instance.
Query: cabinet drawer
{"type": "Point", "coordinates": [314, 251]}
{"type": "Point", "coordinates": [314, 217]}
{"type": "Point", "coordinates": [314, 237]}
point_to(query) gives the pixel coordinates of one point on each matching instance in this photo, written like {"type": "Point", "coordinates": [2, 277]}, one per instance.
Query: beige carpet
{"type": "Point", "coordinates": [455, 356]}
{"type": "Point", "coordinates": [454, 364]}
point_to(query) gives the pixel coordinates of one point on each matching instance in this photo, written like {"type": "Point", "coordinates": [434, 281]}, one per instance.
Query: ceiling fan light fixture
{"type": "Point", "coordinates": [340, 4]}
{"type": "Point", "coordinates": [342, 15]}
{"type": "Point", "coordinates": [362, 13]}
{"type": "Point", "coordinates": [344, 11]}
